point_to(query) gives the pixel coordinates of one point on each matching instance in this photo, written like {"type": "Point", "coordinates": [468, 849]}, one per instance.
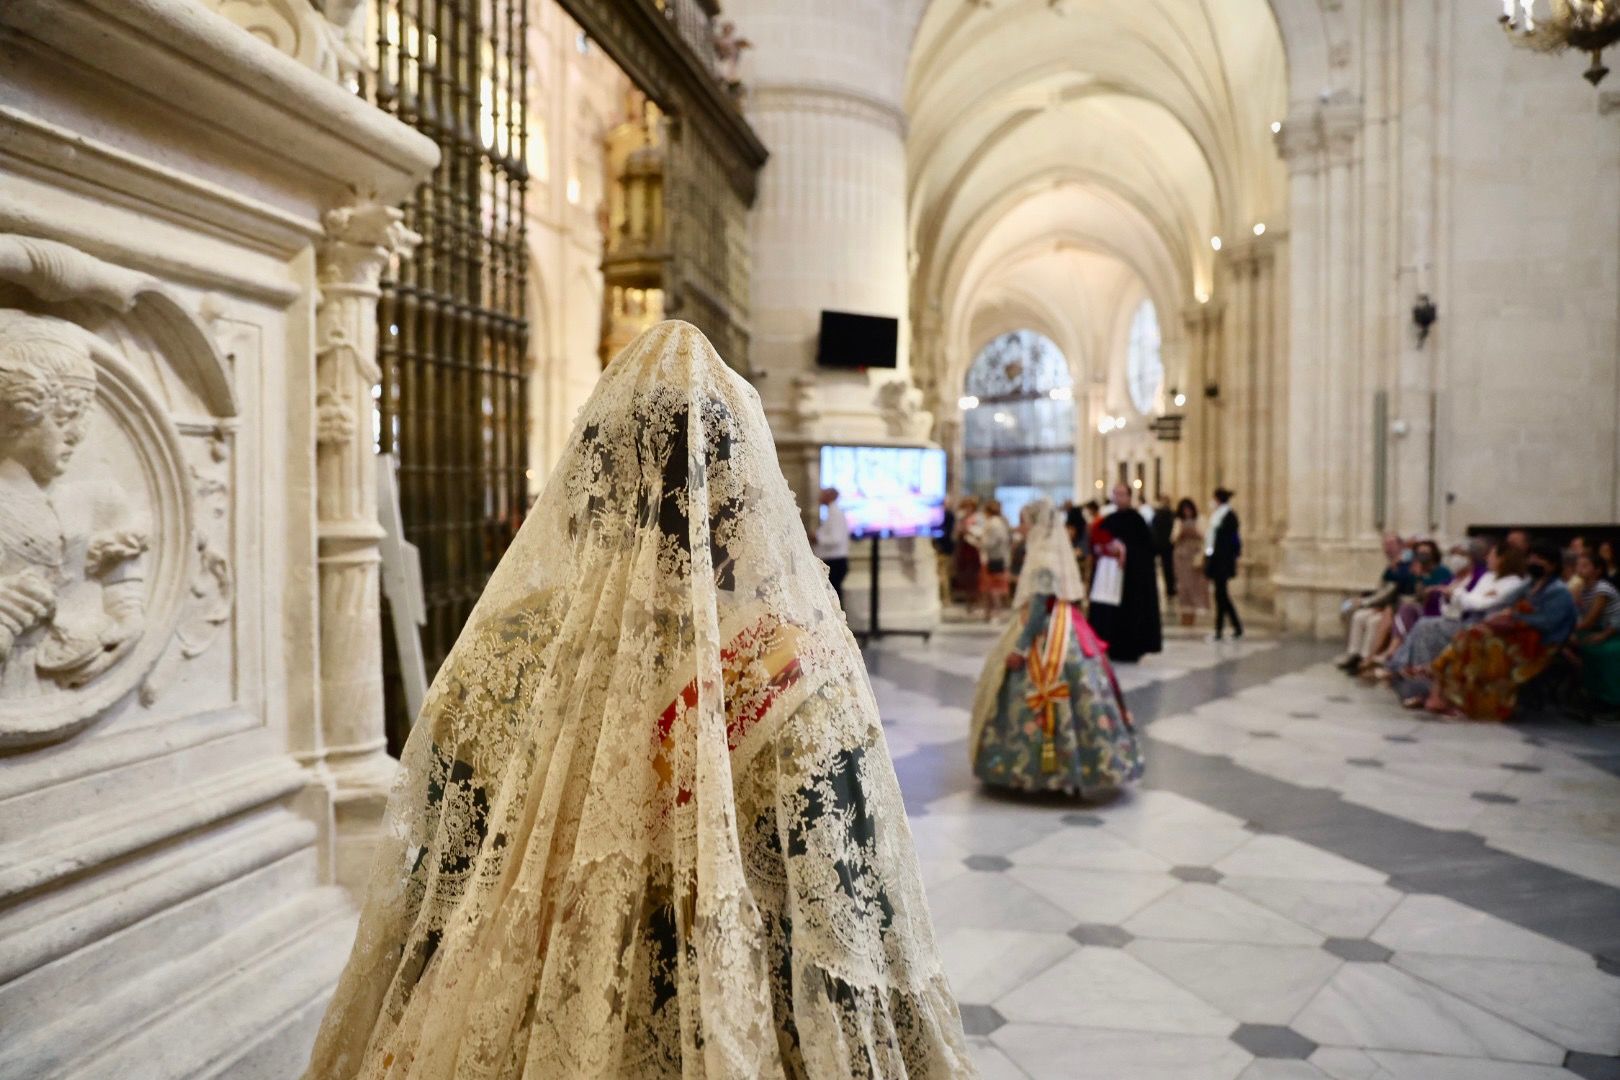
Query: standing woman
{"type": "Point", "coordinates": [967, 564]}
{"type": "Point", "coordinates": [995, 544]}
{"type": "Point", "coordinates": [1223, 546]}
{"type": "Point", "coordinates": [1048, 714]}
{"type": "Point", "coordinates": [646, 825]}
{"type": "Point", "coordinates": [1192, 588]}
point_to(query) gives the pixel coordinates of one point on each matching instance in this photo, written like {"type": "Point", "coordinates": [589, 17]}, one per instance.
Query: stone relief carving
{"type": "Point", "coordinates": [107, 566]}
{"type": "Point", "coordinates": [327, 43]}
{"type": "Point", "coordinates": [72, 594]}
{"type": "Point", "coordinates": [900, 405]}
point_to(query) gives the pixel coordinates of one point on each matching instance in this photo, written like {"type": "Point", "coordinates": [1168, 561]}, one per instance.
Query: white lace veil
{"type": "Point", "coordinates": [1050, 568]}
{"type": "Point", "coordinates": [647, 811]}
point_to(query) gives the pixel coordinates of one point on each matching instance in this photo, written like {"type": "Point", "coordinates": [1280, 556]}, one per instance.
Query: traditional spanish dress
{"type": "Point", "coordinates": [646, 825]}
{"type": "Point", "coordinates": [1048, 715]}
{"type": "Point", "coordinates": [1479, 674]}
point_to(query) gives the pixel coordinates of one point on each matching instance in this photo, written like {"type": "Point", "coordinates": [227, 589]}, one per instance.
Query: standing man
{"type": "Point", "coordinates": [1164, 527]}
{"type": "Point", "coordinates": [1131, 628]}
{"type": "Point", "coordinates": [832, 541]}
{"type": "Point", "coordinates": [1223, 545]}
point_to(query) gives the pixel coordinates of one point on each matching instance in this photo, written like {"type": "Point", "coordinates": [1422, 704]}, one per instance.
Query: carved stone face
{"type": "Point", "coordinates": [45, 447]}
{"type": "Point", "coordinates": [47, 385]}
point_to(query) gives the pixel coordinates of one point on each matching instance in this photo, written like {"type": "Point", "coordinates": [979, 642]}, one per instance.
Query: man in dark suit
{"type": "Point", "coordinates": [1223, 546]}
{"type": "Point", "coordinates": [1164, 527]}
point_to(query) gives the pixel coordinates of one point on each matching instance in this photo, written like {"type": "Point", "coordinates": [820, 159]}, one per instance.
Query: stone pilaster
{"type": "Point", "coordinates": [352, 754]}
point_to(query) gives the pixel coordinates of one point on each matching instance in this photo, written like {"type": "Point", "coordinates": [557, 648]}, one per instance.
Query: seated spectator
{"type": "Point", "coordinates": [1433, 581]}
{"type": "Point", "coordinates": [1480, 673]}
{"type": "Point", "coordinates": [1496, 587]}
{"type": "Point", "coordinates": [1597, 635]}
{"type": "Point", "coordinates": [1372, 612]}
{"type": "Point", "coordinates": [1606, 558]}
{"type": "Point", "coordinates": [1569, 571]}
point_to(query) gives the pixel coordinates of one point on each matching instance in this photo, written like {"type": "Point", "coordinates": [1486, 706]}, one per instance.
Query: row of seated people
{"type": "Point", "coordinates": [1461, 634]}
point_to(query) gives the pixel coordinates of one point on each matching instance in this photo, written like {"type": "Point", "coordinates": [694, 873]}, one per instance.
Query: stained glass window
{"type": "Point", "coordinates": [1018, 437]}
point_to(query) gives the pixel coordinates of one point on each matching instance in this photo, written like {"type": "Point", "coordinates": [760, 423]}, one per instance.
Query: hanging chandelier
{"type": "Point", "coordinates": [1555, 25]}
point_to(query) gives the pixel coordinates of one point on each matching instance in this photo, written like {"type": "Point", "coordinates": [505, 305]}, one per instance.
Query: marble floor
{"type": "Point", "coordinates": [1311, 883]}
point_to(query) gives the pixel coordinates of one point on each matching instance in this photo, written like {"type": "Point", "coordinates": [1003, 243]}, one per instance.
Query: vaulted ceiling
{"type": "Point", "coordinates": [1067, 157]}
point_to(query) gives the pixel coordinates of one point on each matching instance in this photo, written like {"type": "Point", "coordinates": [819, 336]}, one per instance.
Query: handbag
{"type": "Point", "coordinates": [1108, 581]}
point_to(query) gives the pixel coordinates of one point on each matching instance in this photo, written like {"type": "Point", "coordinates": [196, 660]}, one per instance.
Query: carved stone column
{"type": "Point", "coordinates": [359, 242]}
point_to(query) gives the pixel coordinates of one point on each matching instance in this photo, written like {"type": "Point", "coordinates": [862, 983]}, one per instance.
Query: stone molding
{"type": "Point", "coordinates": [213, 76]}
{"type": "Point", "coordinates": [1323, 135]}
{"type": "Point", "coordinates": [829, 99]}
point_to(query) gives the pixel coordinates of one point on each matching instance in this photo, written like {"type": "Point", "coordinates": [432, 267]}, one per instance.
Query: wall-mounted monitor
{"type": "Point", "coordinates": [849, 340]}
{"type": "Point", "coordinates": [887, 490]}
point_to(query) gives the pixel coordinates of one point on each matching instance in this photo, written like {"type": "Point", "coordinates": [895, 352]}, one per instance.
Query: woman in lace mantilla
{"type": "Point", "coordinates": [647, 824]}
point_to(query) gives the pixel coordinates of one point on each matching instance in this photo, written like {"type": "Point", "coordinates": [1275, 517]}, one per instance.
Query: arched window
{"type": "Point", "coordinates": [1144, 370]}
{"type": "Point", "coordinates": [1018, 422]}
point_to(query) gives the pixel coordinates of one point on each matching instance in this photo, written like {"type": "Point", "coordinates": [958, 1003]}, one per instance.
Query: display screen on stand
{"type": "Point", "coordinates": [887, 490]}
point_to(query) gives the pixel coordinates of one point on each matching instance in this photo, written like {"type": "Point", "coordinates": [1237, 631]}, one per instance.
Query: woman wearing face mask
{"type": "Point", "coordinates": [1480, 673]}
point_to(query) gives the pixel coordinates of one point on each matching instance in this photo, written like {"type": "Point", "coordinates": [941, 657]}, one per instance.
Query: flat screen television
{"type": "Point", "coordinates": [887, 490]}
{"type": "Point", "coordinates": [849, 340]}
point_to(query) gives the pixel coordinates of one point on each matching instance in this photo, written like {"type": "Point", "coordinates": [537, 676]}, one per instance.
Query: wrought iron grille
{"type": "Point", "coordinates": [452, 322]}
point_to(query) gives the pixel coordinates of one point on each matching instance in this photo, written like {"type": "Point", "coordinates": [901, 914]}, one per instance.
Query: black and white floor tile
{"type": "Point", "coordinates": [1311, 884]}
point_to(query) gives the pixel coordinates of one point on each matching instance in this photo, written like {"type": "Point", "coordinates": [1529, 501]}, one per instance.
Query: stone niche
{"type": "Point", "coordinates": [170, 903]}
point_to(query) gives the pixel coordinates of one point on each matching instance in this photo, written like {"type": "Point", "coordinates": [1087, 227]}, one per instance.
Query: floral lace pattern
{"type": "Point", "coordinates": [647, 824]}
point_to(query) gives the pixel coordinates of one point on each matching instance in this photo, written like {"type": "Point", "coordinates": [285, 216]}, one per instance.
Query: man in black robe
{"type": "Point", "coordinates": [1131, 627]}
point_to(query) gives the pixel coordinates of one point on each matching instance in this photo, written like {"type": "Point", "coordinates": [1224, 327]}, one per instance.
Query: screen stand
{"type": "Point", "coordinates": [874, 629]}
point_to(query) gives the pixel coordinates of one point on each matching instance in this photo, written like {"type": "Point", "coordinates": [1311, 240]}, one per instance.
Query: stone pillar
{"type": "Point", "coordinates": [352, 753]}
{"type": "Point", "coordinates": [828, 232]}
{"type": "Point", "coordinates": [1330, 529]}
{"type": "Point", "coordinates": [1203, 324]}
{"type": "Point", "coordinates": [1249, 423]}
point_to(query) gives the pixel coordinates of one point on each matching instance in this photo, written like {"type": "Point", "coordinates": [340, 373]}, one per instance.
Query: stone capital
{"type": "Point", "coordinates": [360, 240]}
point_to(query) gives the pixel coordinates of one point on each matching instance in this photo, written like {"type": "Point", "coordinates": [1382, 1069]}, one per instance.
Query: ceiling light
{"type": "Point", "coordinates": [1259, 228]}
{"type": "Point", "coordinates": [1276, 126]}
{"type": "Point", "coordinates": [1180, 399]}
{"type": "Point", "coordinates": [1215, 242]}
{"type": "Point", "coordinates": [1098, 485]}
{"type": "Point", "coordinates": [966, 402]}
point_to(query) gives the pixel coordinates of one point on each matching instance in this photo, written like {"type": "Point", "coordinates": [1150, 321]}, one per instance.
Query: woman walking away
{"type": "Point", "coordinates": [1048, 714]}
{"type": "Point", "coordinates": [646, 825]}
